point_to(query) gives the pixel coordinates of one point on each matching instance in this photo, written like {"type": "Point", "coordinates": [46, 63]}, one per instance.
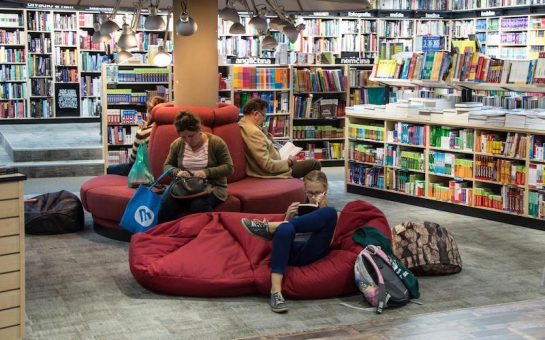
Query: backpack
{"type": "Point", "coordinates": [426, 248]}
{"type": "Point", "coordinates": [54, 213]}
{"type": "Point", "coordinates": [376, 278]}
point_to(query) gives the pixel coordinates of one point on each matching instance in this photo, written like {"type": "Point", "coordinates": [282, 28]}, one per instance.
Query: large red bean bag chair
{"type": "Point", "coordinates": [212, 255]}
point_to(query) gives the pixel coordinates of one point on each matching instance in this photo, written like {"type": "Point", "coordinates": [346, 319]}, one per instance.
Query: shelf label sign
{"type": "Point", "coordinates": [67, 100]}
{"type": "Point", "coordinates": [43, 6]}
{"type": "Point", "coordinates": [397, 15]}
{"type": "Point", "coordinates": [360, 14]}
{"type": "Point", "coordinates": [320, 14]}
{"type": "Point", "coordinates": [431, 44]}
{"type": "Point", "coordinates": [432, 16]}
{"type": "Point", "coordinates": [256, 61]}
{"type": "Point", "coordinates": [355, 61]}
{"type": "Point", "coordinates": [488, 13]}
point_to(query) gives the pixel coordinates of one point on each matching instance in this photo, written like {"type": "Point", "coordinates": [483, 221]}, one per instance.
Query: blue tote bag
{"type": "Point", "coordinates": [142, 210]}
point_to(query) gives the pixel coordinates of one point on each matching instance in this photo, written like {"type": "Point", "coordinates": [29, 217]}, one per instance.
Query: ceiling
{"type": "Point", "coordinates": [289, 5]}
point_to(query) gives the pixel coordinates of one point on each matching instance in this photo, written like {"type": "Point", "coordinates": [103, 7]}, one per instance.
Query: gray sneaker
{"type": "Point", "coordinates": [278, 304]}
{"type": "Point", "coordinates": [257, 228]}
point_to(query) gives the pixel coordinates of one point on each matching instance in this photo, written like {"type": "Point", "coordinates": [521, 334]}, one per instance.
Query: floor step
{"type": "Point", "coordinates": [56, 154]}
{"type": "Point", "coordinates": [70, 168]}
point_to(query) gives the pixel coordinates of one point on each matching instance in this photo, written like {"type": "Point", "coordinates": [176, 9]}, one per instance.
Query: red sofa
{"type": "Point", "coordinates": [106, 196]}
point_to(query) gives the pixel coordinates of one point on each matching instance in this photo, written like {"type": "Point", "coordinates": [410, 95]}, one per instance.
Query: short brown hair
{"type": "Point", "coordinates": [254, 104]}
{"type": "Point", "coordinates": [316, 176]}
{"type": "Point", "coordinates": [187, 121]}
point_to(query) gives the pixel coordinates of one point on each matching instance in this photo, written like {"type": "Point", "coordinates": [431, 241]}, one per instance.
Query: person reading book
{"type": "Point", "coordinates": [286, 250]}
{"type": "Point", "coordinates": [262, 158]}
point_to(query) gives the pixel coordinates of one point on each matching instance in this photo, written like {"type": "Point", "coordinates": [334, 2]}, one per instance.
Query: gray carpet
{"type": "Point", "coordinates": [79, 285]}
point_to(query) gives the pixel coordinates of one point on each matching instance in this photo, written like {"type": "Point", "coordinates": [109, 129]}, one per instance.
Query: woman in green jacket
{"type": "Point", "coordinates": [202, 154]}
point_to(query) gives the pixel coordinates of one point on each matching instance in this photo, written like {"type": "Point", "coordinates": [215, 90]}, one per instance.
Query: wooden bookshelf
{"type": "Point", "coordinates": [125, 92]}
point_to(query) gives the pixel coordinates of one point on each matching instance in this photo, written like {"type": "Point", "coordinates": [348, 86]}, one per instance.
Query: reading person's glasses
{"type": "Point", "coordinates": [315, 194]}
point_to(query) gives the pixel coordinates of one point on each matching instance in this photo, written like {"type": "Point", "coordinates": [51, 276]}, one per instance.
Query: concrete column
{"type": "Point", "coordinates": [195, 58]}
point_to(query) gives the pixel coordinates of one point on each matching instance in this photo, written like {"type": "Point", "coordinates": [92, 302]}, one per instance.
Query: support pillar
{"type": "Point", "coordinates": [195, 58]}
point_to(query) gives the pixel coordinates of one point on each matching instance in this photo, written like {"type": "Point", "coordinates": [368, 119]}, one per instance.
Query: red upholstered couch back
{"type": "Point", "coordinates": [221, 121]}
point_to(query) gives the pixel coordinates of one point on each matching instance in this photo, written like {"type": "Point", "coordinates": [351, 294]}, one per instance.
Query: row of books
{"type": "Point", "coordinates": [364, 43]}
{"type": "Point", "coordinates": [431, 66]}
{"type": "Point", "coordinates": [124, 116]}
{"type": "Point", "coordinates": [41, 87]}
{"type": "Point", "coordinates": [138, 75]}
{"type": "Point", "coordinates": [537, 147]}
{"type": "Point", "coordinates": [328, 151]}
{"type": "Point", "coordinates": [510, 199]}
{"type": "Point", "coordinates": [125, 96]}
{"type": "Point", "coordinates": [11, 20]}
{"type": "Point", "coordinates": [307, 107]}
{"type": "Point", "coordinates": [276, 102]}
{"type": "Point", "coordinates": [39, 44]}
{"type": "Point", "coordinates": [90, 86]}
{"type": "Point", "coordinates": [40, 21]}
{"type": "Point", "coordinates": [65, 38]}
{"type": "Point", "coordinates": [442, 163]}
{"type": "Point", "coordinates": [12, 72]}
{"type": "Point", "coordinates": [260, 78]}
{"type": "Point", "coordinates": [12, 91]}
{"type": "Point", "coordinates": [91, 107]}
{"type": "Point", "coordinates": [361, 132]}
{"type": "Point", "coordinates": [317, 132]}
{"type": "Point", "coordinates": [65, 21]}
{"type": "Point", "coordinates": [407, 133]}
{"type": "Point", "coordinates": [536, 176]}
{"type": "Point", "coordinates": [365, 153]}
{"type": "Point", "coordinates": [499, 170]}
{"type": "Point", "coordinates": [451, 138]}
{"type": "Point", "coordinates": [368, 95]}
{"type": "Point", "coordinates": [121, 135]}
{"type": "Point", "coordinates": [13, 109]}
{"type": "Point", "coordinates": [118, 156]}
{"type": "Point", "coordinates": [459, 192]}
{"type": "Point", "coordinates": [318, 80]}
{"type": "Point", "coordinates": [10, 37]}
{"type": "Point", "coordinates": [277, 126]}
{"type": "Point", "coordinates": [39, 66]}
{"type": "Point", "coordinates": [409, 160]}
{"type": "Point", "coordinates": [513, 145]}
{"type": "Point", "coordinates": [12, 55]}
{"type": "Point", "coordinates": [536, 204]}
{"type": "Point", "coordinates": [41, 108]}
{"type": "Point", "coordinates": [70, 75]}
{"type": "Point", "coordinates": [92, 62]}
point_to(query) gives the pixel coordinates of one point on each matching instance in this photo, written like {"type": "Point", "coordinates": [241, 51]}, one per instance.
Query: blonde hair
{"type": "Point", "coordinates": [153, 102]}
{"type": "Point", "coordinates": [316, 176]}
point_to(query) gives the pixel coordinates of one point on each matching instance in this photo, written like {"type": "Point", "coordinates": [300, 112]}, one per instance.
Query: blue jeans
{"type": "Point", "coordinates": [285, 251]}
{"type": "Point", "coordinates": [119, 169]}
{"type": "Point", "coordinates": [173, 208]}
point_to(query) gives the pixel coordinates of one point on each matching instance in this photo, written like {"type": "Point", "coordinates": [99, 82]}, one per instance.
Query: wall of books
{"type": "Point", "coordinates": [42, 49]}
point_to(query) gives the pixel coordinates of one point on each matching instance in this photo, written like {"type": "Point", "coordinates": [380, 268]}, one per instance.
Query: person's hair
{"type": "Point", "coordinates": [153, 102]}
{"type": "Point", "coordinates": [254, 104]}
{"type": "Point", "coordinates": [316, 176]}
{"type": "Point", "coordinates": [187, 121]}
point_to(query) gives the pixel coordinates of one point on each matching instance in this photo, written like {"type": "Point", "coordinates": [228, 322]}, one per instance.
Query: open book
{"type": "Point", "coordinates": [305, 208]}
{"type": "Point", "coordinates": [289, 149]}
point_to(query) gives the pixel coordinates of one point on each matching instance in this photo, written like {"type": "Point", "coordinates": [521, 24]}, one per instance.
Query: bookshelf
{"type": "Point", "coordinates": [319, 98]}
{"type": "Point", "coordinates": [43, 51]}
{"type": "Point", "coordinates": [13, 57]}
{"type": "Point", "coordinates": [126, 90]}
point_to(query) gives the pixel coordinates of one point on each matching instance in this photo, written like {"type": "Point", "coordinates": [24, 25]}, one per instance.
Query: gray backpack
{"type": "Point", "coordinates": [376, 279]}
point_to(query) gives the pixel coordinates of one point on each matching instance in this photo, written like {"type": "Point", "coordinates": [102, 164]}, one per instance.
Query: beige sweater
{"type": "Point", "coordinates": [262, 158]}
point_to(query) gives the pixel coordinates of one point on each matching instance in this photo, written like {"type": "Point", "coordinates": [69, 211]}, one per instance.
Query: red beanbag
{"type": "Point", "coordinates": [211, 254]}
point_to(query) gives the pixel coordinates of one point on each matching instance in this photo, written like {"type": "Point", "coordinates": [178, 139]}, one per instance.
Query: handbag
{"type": "Point", "coordinates": [190, 187]}
{"type": "Point", "coordinates": [142, 210]}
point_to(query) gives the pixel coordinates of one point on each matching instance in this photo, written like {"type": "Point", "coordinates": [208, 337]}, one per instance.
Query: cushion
{"type": "Point", "coordinates": [106, 196]}
{"type": "Point", "coordinates": [260, 195]}
{"type": "Point", "coordinates": [211, 255]}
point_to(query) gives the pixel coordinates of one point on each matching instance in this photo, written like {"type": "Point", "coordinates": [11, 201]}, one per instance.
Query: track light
{"type": "Point", "coordinates": [291, 32]}
{"type": "Point", "coordinates": [162, 58]}
{"type": "Point", "coordinates": [123, 56]}
{"type": "Point", "coordinates": [229, 13]}
{"type": "Point", "coordinates": [109, 25]}
{"type": "Point", "coordinates": [259, 23]}
{"type": "Point", "coordinates": [277, 24]}
{"type": "Point", "coordinates": [269, 42]}
{"type": "Point", "coordinates": [154, 21]}
{"type": "Point", "coordinates": [186, 26]}
{"type": "Point", "coordinates": [237, 28]}
{"type": "Point", "coordinates": [127, 40]}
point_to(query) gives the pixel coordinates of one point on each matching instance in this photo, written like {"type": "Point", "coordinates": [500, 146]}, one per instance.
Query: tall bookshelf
{"type": "Point", "coordinates": [126, 90]}
{"type": "Point", "coordinates": [13, 58]}
{"type": "Point", "coordinates": [42, 51]}
{"type": "Point", "coordinates": [319, 100]}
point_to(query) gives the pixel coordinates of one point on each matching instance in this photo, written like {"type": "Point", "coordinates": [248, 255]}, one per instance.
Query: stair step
{"type": "Point", "coordinates": [70, 168]}
{"type": "Point", "coordinates": [56, 154]}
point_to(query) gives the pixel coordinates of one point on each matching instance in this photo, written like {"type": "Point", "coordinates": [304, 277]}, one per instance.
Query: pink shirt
{"type": "Point", "coordinates": [195, 160]}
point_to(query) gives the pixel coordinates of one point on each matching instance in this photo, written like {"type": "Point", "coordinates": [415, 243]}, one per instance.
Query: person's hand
{"type": "Point", "coordinates": [291, 160]}
{"type": "Point", "coordinates": [182, 173]}
{"type": "Point", "coordinates": [200, 174]}
{"type": "Point", "coordinates": [321, 200]}
{"type": "Point", "coordinates": [292, 211]}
